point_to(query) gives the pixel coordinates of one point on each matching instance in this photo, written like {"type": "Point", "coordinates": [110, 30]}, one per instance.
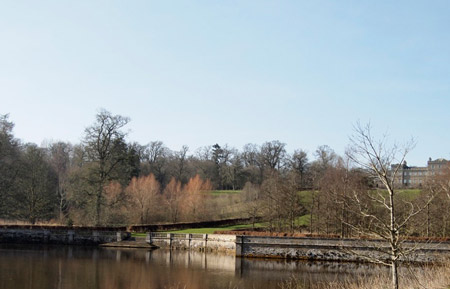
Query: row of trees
{"type": "Point", "coordinates": [107, 180]}
{"type": "Point", "coordinates": [28, 183]}
{"type": "Point", "coordinates": [99, 181]}
{"type": "Point", "coordinates": [81, 182]}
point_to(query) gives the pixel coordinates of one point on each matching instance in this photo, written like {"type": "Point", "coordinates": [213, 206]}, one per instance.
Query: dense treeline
{"type": "Point", "coordinates": [107, 180]}
{"type": "Point", "coordinates": [103, 178]}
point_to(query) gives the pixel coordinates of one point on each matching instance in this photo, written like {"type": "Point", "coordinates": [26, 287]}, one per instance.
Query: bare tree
{"type": "Point", "coordinates": [440, 181]}
{"type": "Point", "coordinates": [60, 161]}
{"type": "Point", "coordinates": [203, 162]}
{"type": "Point", "coordinates": [250, 155]}
{"type": "Point", "coordinates": [236, 171]}
{"type": "Point", "coordinates": [195, 193]}
{"type": "Point", "coordinates": [173, 197]}
{"type": "Point", "coordinates": [251, 196]}
{"type": "Point", "coordinates": [116, 204]}
{"type": "Point", "coordinates": [325, 159]}
{"type": "Point", "coordinates": [272, 154]}
{"type": "Point", "coordinates": [379, 209]}
{"type": "Point", "coordinates": [144, 193]}
{"type": "Point", "coordinates": [437, 214]}
{"type": "Point", "coordinates": [299, 164]}
{"type": "Point", "coordinates": [335, 187]}
{"type": "Point", "coordinates": [35, 198]}
{"type": "Point", "coordinates": [291, 201]}
{"type": "Point", "coordinates": [281, 201]}
{"type": "Point", "coordinates": [157, 155]}
{"type": "Point", "coordinates": [102, 141]}
{"type": "Point", "coordinates": [252, 166]}
{"type": "Point", "coordinates": [181, 158]}
{"type": "Point", "coordinates": [224, 167]}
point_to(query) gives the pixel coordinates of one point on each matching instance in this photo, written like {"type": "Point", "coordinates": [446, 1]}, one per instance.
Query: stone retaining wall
{"type": "Point", "coordinates": [335, 249]}
{"type": "Point", "coordinates": [200, 242]}
{"type": "Point", "coordinates": [60, 236]}
{"type": "Point", "coordinates": [322, 249]}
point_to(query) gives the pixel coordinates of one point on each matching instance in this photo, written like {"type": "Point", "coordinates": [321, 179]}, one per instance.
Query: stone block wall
{"type": "Point", "coordinates": [59, 236]}
{"type": "Point", "coordinates": [318, 249]}
{"type": "Point", "coordinates": [334, 249]}
{"type": "Point", "coordinates": [199, 242]}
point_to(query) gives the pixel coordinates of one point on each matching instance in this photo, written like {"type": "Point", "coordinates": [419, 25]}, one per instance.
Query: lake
{"type": "Point", "coordinates": [44, 267]}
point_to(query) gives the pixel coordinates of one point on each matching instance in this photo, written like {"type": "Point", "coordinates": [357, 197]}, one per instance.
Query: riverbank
{"type": "Point", "coordinates": [301, 248]}
{"type": "Point", "coordinates": [433, 277]}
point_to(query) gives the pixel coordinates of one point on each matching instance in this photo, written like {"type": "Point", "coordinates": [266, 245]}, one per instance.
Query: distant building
{"type": "Point", "coordinates": [415, 177]}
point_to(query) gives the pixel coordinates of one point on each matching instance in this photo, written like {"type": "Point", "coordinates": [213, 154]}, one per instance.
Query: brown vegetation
{"type": "Point", "coordinates": [434, 277]}
{"type": "Point", "coordinates": [144, 197]}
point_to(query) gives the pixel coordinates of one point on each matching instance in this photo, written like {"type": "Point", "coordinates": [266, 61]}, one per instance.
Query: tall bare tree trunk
{"type": "Point", "coordinates": [394, 274]}
{"type": "Point", "coordinates": [394, 241]}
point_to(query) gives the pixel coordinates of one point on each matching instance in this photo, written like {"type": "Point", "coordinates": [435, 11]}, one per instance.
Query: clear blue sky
{"type": "Point", "coordinates": [235, 72]}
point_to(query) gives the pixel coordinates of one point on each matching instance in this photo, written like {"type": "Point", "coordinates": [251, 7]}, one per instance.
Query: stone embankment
{"type": "Point", "coordinates": [61, 235]}
{"type": "Point", "coordinates": [199, 242]}
{"type": "Point", "coordinates": [318, 249]}
{"type": "Point", "coordinates": [305, 248]}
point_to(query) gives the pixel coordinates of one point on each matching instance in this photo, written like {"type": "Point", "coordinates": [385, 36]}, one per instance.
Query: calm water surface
{"type": "Point", "coordinates": [45, 267]}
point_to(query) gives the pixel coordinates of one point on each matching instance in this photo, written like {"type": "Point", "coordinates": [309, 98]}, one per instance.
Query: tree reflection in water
{"type": "Point", "coordinates": [43, 267]}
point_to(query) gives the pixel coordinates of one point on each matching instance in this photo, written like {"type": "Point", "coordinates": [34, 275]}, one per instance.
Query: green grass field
{"type": "Point", "coordinates": [408, 194]}
{"type": "Point", "coordinates": [207, 230]}
{"type": "Point", "coordinates": [306, 197]}
{"type": "Point", "coordinates": [212, 230]}
{"type": "Point", "coordinates": [225, 192]}
{"type": "Point", "coordinates": [405, 194]}
{"type": "Point", "coordinates": [303, 221]}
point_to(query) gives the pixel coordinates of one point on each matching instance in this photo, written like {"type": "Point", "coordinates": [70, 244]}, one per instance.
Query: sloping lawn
{"type": "Point", "coordinates": [226, 192]}
{"type": "Point", "coordinates": [212, 230]}
{"type": "Point", "coordinates": [207, 230]}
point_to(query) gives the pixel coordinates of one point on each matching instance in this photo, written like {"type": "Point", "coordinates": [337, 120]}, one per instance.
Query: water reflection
{"type": "Point", "coordinates": [43, 267]}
